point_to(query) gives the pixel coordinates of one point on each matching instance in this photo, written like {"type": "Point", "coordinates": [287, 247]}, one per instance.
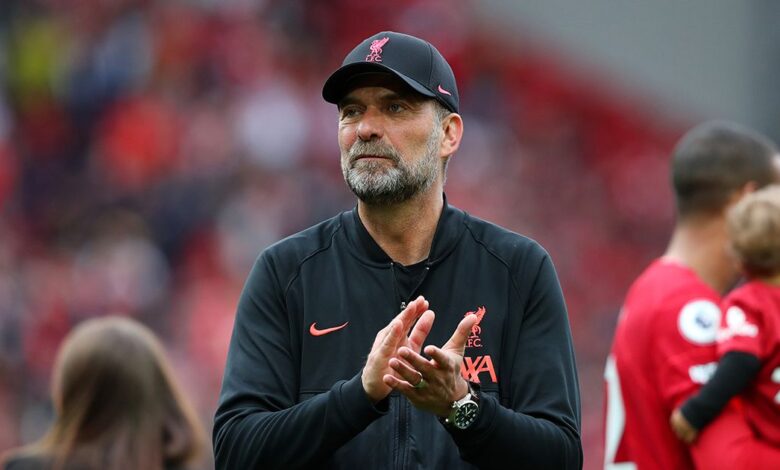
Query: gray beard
{"type": "Point", "coordinates": [377, 183]}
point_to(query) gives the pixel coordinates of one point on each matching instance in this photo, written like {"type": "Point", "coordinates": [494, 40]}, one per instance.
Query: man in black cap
{"type": "Point", "coordinates": [495, 382]}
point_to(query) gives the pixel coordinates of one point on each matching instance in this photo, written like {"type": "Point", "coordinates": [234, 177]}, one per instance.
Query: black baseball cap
{"type": "Point", "coordinates": [411, 59]}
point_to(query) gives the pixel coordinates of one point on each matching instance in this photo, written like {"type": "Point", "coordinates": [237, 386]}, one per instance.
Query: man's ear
{"type": "Point", "coordinates": [747, 188]}
{"type": "Point", "coordinates": [738, 194]}
{"type": "Point", "coordinates": [453, 132]}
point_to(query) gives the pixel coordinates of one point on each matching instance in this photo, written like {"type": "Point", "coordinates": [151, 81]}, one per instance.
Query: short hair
{"type": "Point", "coordinates": [715, 159]}
{"type": "Point", "coordinates": [440, 111]}
{"type": "Point", "coordinates": [754, 229]}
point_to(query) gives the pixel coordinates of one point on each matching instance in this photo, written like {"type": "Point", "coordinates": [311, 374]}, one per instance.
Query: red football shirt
{"type": "Point", "coordinates": [664, 349]}
{"type": "Point", "coordinates": [751, 324]}
{"type": "Point", "coordinates": [728, 443]}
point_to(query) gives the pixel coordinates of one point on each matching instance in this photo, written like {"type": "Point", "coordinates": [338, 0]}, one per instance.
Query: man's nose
{"type": "Point", "coordinates": [370, 126]}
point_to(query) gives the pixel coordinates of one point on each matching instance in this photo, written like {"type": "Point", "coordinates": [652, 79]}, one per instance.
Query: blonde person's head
{"type": "Point", "coordinates": [754, 229]}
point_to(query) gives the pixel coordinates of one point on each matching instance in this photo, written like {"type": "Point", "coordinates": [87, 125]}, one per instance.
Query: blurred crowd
{"type": "Point", "coordinates": [150, 149]}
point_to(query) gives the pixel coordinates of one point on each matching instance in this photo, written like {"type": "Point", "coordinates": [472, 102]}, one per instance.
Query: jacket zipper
{"type": "Point", "coordinates": [404, 408]}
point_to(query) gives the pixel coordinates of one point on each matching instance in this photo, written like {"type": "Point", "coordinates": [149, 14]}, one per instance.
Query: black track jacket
{"type": "Point", "coordinates": [292, 394]}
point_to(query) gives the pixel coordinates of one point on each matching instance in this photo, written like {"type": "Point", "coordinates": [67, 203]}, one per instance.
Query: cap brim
{"type": "Point", "coordinates": [337, 85]}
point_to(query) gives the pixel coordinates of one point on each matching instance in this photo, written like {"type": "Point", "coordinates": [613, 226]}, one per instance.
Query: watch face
{"type": "Point", "coordinates": [465, 415]}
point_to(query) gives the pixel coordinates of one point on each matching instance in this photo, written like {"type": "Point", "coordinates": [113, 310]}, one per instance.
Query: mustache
{"type": "Point", "coordinates": [372, 148]}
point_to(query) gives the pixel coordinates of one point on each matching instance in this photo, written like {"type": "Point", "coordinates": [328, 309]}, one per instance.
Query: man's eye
{"type": "Point", "coordinates": [395, 108]}
{"type": "Point", "coordinates": [348, 112]}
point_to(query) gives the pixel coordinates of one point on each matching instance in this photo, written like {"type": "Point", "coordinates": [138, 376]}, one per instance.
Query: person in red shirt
{"type": "Point", "coordinates": [749, 340]}
{"type": "Point", "coordinates": [664, 346]}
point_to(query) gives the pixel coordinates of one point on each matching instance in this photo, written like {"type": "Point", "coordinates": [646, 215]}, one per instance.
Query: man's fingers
{"type": "Point", "coordinates": [405, 372]}
{"type": "Point", "coordinates": [412, 312]}
{"type": "Point", "coordinates": [405, 319]}
{"type": "Point", "coordinates": [438, 356]}
{"type": "Point", "coordinates": [380, 336]}
{"type": "Point", "coordinates": [384, 348]}
{"type": "Point", "coordinates": [458, 339]}
{"type": "Point", "coordinates": [391, 338]}
{"type": "Point", "coordinates": [416, 361]}
{"type": "Point", "coordinates": [421, 330]}
{"type": "Point", "coordinates": [401, 385]}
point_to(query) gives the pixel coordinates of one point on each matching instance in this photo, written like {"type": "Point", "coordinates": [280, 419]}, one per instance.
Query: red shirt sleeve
{"type": "Point", "coordinates": [741, 327]}
{"type": "Point", "coordinates": [685, 350]}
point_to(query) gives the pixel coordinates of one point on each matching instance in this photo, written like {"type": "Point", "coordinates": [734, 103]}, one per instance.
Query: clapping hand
{"type": "Point", "coordinates": [389, 340]}
{"type": "Point", "coordinates": [432, 384]}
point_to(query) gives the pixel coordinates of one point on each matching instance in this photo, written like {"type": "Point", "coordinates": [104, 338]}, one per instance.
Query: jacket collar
{"type": "Point", "coordinates": [449, 229]}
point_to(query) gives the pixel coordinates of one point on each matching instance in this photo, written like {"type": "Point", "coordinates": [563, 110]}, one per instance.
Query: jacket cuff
{"type": "Point", "coordinates": [362, 411]}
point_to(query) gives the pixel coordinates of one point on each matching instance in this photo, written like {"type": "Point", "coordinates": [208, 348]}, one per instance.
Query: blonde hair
{"type": "Point", "coordinates": [754, 229]}
{"type": "Point", "coordinates": [117, 402]}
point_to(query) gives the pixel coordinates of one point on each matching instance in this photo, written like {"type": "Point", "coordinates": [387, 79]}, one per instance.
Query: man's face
{"type": "Point", "coordinates": [390, 141]}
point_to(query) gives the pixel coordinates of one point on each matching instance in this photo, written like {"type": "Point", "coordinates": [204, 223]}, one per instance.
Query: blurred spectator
{"type": "Point", "coordinates": [118, 405]}
{"type": "Point", "coordinates": [273, 128]}
{"type": "Point", "coordinates": [117, 268]}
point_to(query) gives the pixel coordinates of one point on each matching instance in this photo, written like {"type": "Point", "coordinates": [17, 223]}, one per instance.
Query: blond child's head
{"type": "Point", "coordinates": [754, 229]}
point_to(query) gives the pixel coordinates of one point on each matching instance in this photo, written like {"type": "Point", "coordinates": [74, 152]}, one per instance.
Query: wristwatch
{"type": "Point", "coordinates": [465, 411]}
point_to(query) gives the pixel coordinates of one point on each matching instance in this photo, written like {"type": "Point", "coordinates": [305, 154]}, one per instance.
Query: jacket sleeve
{"type": "Point", "coordinates": [259, 422]}
{"type": "Point", "coordinates": [536, 422]}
